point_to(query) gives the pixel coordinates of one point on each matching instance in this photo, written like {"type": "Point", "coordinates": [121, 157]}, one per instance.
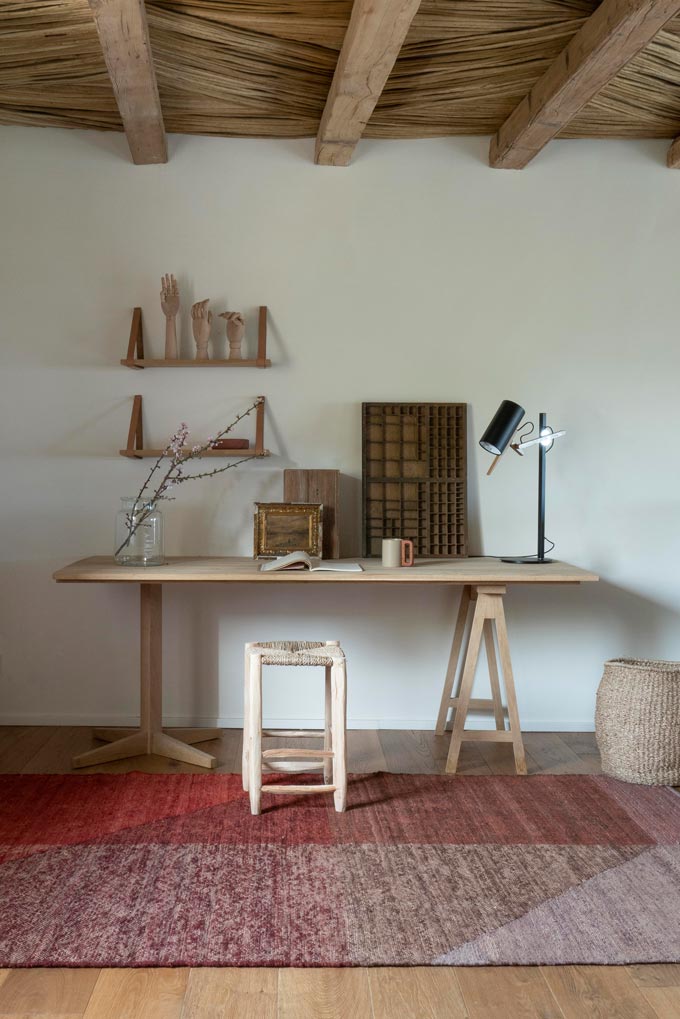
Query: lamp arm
{"type": "Point", "coordinates": [546, 439]}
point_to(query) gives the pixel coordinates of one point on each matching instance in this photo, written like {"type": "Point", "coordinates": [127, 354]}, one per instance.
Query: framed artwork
{"type": "Point", "coordinates": [283, 527]}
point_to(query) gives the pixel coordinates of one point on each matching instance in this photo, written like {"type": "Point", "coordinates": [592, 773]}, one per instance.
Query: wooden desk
{"type": "Point", "coordinates": [484, 583]}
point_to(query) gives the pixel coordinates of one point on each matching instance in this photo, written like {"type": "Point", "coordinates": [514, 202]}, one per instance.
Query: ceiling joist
{"type": "Point", "coordinates": [612, 36]}
{"type": "Point", "coordinates": [124, 37]}
{"type": "Point", "coordinates": [244, 68]}
{"type": "Point", "coordinates": [673, 157]}
{"type": "Point", "coordinates": [376, 31]}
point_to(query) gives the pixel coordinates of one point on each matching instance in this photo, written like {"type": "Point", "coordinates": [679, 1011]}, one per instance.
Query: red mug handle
{"type": "Point", "coordinates": [407, 552]}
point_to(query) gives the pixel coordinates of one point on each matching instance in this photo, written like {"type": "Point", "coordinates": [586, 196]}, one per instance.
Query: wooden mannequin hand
{"type": "Point", "coordinates": [169, 296]}
{"type": "Point", "coordinates": [201, 321]}
{"type": "Point", "coordinates": [236, 328]}
{"type": "Point", "coordinates": [170, 307]}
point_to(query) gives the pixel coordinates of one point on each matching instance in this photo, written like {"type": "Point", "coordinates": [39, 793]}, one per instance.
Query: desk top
{"type": "Point", "coordinates": [239, 569]}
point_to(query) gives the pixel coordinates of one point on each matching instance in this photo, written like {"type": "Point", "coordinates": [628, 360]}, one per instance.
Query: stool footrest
{"type": "Point", "coordinates": [287, 767]}
{"type": "Point", "coordinates": [298, 788]}
{"type": "Point", "coordinates": [293, 753]}
{"type": "Point", "coordinates": [487, 736]}
{"type": "Point", "coordinates": [297, 733]}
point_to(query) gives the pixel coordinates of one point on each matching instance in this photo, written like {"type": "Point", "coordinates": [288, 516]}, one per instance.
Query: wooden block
{"type": "Point", "coordinates": [318, 486]}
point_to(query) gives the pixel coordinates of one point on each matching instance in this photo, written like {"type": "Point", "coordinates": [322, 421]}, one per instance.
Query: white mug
{"type": "Point", "coordinates": [397, 552]}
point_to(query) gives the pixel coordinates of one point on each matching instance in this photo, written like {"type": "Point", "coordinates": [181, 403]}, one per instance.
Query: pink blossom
{"type": "Point", "coordinates": [178, 441]}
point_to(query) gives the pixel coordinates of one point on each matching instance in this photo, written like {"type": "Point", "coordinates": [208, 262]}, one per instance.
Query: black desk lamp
{"type": "Point", "coordinates": [496, 440]}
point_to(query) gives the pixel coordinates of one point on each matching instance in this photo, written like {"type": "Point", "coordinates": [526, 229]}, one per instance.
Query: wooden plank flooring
{"type": "Point", "coordinates": [564, 992]}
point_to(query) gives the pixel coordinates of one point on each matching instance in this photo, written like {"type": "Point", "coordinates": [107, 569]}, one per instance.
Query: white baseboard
{"type": "Point", "coordinates": [236, 722]}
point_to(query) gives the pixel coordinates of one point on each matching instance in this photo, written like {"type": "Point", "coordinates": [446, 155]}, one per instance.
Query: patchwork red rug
{"type": "Point", "coordinates": [172, 870]}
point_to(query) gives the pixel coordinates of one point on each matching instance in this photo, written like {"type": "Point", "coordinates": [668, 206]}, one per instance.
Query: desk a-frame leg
{"type": "Point", "coordinates": [487, 604]}
{"type": "Point", "coordinates": [150, 738]}
{"type": "Point", "coordinates": [454, 659]}
{"type": "Point", "coordinates": [457, 658]}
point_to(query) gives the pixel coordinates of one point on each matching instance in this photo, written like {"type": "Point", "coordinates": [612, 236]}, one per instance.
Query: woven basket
{"type": "Point", "coordinates": [637, 721]}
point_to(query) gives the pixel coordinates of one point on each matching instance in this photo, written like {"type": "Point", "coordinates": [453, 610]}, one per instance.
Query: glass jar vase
{"type": "Point", "coordinates": [139, 534]}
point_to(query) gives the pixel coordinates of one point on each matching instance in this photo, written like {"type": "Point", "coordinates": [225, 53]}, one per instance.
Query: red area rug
{"type": "Point", "coordinates": [172, 870]}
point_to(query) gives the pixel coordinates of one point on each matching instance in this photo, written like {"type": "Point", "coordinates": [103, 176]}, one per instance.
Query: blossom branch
{"type": "Point", "coordinates": [217, 470]}
{"type": "Point", "coordinates": [179, 456]}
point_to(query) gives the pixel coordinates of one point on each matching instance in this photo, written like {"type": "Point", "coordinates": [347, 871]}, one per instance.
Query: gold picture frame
{"type": "Point", "coordinates": [283, 527]}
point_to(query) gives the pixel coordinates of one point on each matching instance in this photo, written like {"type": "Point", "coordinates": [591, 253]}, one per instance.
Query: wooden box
{"type": "Point", "coordinates": [415, 477]}
{"type": "Point", "coordinates": [321, 486]}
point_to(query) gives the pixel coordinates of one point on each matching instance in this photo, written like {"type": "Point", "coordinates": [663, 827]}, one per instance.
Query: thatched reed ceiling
{"type": "Point", "coordinates": [264, 67]}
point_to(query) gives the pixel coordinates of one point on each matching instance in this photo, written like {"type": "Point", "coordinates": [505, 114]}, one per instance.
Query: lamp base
{"type": "Point", "coordinates": [526, 560]}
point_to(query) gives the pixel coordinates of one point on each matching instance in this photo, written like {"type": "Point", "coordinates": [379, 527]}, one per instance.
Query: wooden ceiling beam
{"type": "Point", "coordinates": [673, 157]}
{"type": "Point", "coordinates": [612, 36]}
{"type": "Point", "coordinates": [124, 37]}
{"type": "Point", "coordinates": [376, 31]}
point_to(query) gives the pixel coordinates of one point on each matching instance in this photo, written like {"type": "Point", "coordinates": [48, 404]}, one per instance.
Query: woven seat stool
{"type": "Point", "coordinates": [332, 757]}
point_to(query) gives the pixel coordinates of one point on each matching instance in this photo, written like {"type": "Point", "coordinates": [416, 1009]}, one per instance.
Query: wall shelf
{"type": "Point", "coordinates": [136, 359]}
{"type": "Point", "coordinates": [179, 363]}
{"type": "Point", "coordinates": [135, 444]}
{"type": "Point", "coordinates": [141, 454]}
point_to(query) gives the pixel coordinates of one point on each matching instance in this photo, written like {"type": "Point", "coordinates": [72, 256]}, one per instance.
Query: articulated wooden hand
{"type": "Point", "coordinates": [201, 320]}
{"type": "Point", "coordinates": [236, 328]}
{"type": "Point", "coordinates": [170, 306]}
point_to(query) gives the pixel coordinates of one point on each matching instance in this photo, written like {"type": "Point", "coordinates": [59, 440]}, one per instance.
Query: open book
{"type": "Point", "coordinates": [303, 561]}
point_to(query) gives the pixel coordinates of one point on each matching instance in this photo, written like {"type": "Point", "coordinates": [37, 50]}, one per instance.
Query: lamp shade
{"type": "Point", "coordinates": [502, 427]}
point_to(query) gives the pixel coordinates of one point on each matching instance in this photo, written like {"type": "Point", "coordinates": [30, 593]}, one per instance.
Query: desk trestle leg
{"type": "Point", "coordinates": [484, 603]}
{"type": "Point", "coordinates": [150, 737]}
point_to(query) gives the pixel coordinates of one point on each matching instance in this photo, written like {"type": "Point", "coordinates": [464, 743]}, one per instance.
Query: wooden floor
{"type": "Point", "coordinates": [566, 992]}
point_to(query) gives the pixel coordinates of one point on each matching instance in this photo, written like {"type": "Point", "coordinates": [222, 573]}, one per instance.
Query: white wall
{"type": "Point", "coordinates": [416, 274]}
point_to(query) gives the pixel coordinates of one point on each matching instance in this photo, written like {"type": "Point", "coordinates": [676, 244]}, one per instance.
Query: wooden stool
{"type": "Point", "coordinates": [331, 758]}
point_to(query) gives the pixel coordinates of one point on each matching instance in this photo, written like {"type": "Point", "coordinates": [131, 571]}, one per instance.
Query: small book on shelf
{"type": "Point", "coordinates": [304, 561]}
